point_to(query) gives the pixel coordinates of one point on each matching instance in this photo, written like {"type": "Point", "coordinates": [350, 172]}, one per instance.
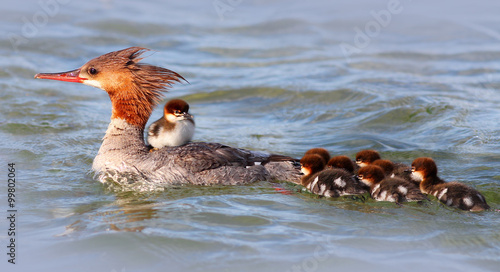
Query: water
{"type": "Point", "coordinates": [264, 75]}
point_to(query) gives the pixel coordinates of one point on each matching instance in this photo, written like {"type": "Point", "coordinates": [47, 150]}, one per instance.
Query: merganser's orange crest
{"type": "Point", "coordinates": [134, 88]}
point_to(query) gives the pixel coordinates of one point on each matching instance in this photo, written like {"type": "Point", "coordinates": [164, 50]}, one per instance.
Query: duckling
{"type": "Point", "coordinates": [393, 169]}
{"type": "Point", "coordinates": [342, 162]}
{"type": "Point", "coordinates": [453, 194]}
{"type": "Point", "coordinates": [319, 151]}
{"type": "Point", "coordinates": [391, 189]}
{"type": "Point", "coordinates": [329, 182]}
{"type": "Point", "coordinates": [386, 165]}
{"type": "Point", "coordinates": [366, 157]}
{"type": "Point", "coordinates": [400, 170]}
{"type": "Point", "coordinates": [175, 128]}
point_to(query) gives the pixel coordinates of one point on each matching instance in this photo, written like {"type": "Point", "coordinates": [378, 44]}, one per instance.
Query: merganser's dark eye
{"type": "Point", "coordinates": [92, 71]}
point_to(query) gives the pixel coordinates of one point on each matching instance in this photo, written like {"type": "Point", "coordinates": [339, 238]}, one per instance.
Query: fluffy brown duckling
{"type": "Point", "coordinates": [366, 157]}
{"type": "Point", "coordinates": [328, 182]}
{"type": "Point", "coordinates": [453, 194]}
{"type": "Point", "coordinates": [392, 169]}
{"type": "Point", "coordinates": [319, 151]}
{"type": "Point", "coordinates": [391, 189]}
{"type": "Point", "coordinates": [341, 162]}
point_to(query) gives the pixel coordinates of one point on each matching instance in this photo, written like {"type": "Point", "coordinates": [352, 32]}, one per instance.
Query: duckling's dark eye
{"type": "Point", "coordinates": [360, 176]}
{"type": "Point", "coordinates": [92, 71]}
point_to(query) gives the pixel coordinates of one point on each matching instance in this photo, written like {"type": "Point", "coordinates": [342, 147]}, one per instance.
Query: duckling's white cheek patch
{"type": "Point", "coordinates": [171, 118]}
{"type": "Point", "coordinates": [367, 182]}
{"type": "Point", "coordinates": [417, 176]}
{"type": "Point", "coordinates": [93, 83]}
{"type": "Point", "coordinates": [305, 171]}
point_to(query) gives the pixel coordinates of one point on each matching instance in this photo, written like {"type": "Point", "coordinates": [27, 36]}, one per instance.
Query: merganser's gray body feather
{"type": "Point", "coordinates": [123, 150]}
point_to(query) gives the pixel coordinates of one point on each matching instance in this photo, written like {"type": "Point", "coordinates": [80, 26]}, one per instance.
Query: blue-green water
{"type": "Point", "coordinates": [418, 78]}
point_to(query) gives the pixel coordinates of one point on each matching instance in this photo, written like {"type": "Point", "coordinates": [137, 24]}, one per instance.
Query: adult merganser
{"type": "Point", "coordinates": [453, 194]}
{"type": "Point", "coordinates": [175, 128]}
{"type": "Point", "coordinates": [134, 89]}
{"type": "Point", "coordinates": [328, 182]}
{"type": "Point", "coordinates": [388, 188]}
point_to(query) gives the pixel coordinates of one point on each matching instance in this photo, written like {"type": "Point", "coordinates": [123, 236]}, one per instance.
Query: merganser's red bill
{"type": "Point", "coordinates": [70, 76]}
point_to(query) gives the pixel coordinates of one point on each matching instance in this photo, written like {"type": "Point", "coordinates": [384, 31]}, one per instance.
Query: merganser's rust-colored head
{"type": "Point", "coordinates": [134, 88]}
